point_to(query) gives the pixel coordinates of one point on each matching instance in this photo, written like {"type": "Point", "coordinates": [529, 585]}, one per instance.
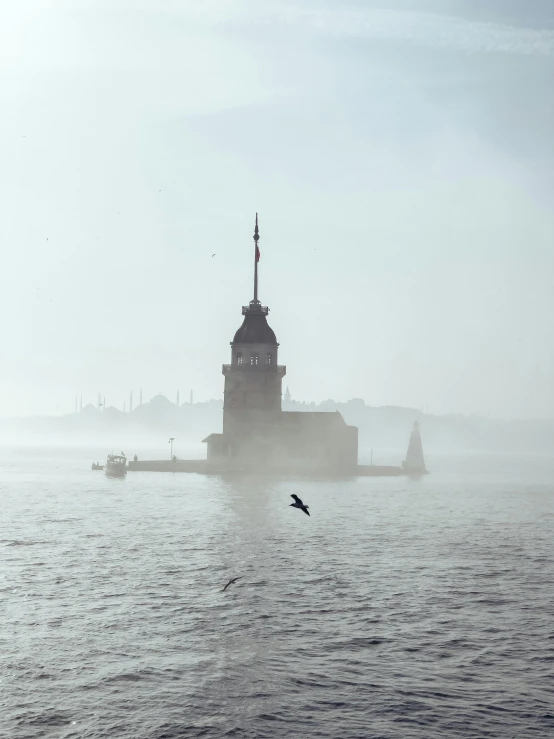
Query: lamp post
{"type": "Point", "coordinates": [171, 443]}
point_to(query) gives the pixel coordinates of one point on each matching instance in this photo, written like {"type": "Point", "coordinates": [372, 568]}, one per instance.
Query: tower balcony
{"type": "Point", "coordinates": [278, 369]}
{"type": "Point", "coordinates": [255, 307]}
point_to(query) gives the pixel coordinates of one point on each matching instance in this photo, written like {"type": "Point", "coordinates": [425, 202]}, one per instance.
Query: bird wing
{"type": "Point", "coordinates": [296, 498]}
{"type": "Point", "coordinates": [234, 579]}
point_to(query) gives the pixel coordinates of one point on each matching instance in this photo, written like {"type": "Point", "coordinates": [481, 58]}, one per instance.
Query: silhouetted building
{"type": "Point", "coordinates": [256, 431]}
{"type": "Point", "coordinates": [414, 462]}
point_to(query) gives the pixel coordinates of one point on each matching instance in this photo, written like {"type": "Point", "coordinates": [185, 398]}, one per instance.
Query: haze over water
{"type": "Point", "coordinates": [400, 155]}
{"type": "Point", "coordinates": [401, 159]}
{"type": "Point", "coordinates": [400, 608]}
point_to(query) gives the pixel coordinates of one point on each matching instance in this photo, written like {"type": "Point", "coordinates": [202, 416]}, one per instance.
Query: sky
{"type": "Point", "coordinates": [399, 153]}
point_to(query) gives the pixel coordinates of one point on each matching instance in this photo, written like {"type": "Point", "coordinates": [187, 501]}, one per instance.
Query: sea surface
{"type": "Point", "coordinates": [400, 608]}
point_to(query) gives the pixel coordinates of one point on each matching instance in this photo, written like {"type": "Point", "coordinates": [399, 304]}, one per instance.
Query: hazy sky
{"type": "Point", "coordinates": [400, 155]}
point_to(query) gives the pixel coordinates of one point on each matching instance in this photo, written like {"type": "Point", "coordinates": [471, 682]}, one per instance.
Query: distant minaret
{"type": "Point", "coordinates": [177, 401]}
{"type": "Point", "coordinates": [104, 406]}
{"type": "Point", "coordinates": [131, 402]}
{"type": "Point", "coordinates": [81, 404]}
{"type": "Point", "coordinates": [140, 398]}
{"type": "Point", "coordinates": [287, 396]}
{"type": "Point", "coordinates": [191, 398]}
{"type": "Point", "coordinates": [75, 405]}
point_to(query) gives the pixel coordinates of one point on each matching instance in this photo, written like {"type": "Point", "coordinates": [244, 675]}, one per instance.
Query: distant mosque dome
{"type": "Point", "coordinates": [255, 330]}
{"type": "Point", "coordinates": [160, 400]}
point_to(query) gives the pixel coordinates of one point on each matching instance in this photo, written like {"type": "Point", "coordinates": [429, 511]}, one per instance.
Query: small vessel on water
{"type": "Point", "coordinates": [97, 466]}
{"type": "Point", "coordinates": [116, 465]}
{"type": "Point", "coordinates": [414, 463]}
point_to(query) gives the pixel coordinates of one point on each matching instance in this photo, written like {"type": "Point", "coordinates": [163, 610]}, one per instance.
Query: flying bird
{"type": "Point", "coordinates": [213, 255]}
{"type": "Point", "coordinates": [234, 579]}
{"type": "Point", "coordinates": [298, 504]}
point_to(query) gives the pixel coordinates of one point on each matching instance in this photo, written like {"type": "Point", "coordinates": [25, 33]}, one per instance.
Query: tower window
{"type": "Point", "coordinates": [269, 359]}
{"type": "Point", "coordinates": [239, 358]}
{"type": "Point", "coordinates": [254, 359]}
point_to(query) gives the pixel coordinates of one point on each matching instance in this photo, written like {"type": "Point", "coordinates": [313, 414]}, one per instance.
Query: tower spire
{"type": "Point", "coordinates": [256, 259]}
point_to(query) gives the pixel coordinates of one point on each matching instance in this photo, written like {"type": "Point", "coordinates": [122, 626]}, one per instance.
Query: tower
{"type": "Point", "coordinates": [257, 433]}
{"type": "Point", "coordinates": [253, 380]}
{"type": "Point", "coordinates": [140, 397]}
{"type": "Point", "coordinates": [177, 403]}
{"type": "Point", "coordinates": [414, 461]}
{"type": "Point", "coordinates": [191, 398]}
{"type": "Point", "coordinates": [131, 402]}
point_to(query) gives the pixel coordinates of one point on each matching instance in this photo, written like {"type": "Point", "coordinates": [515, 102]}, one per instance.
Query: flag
{"type": "Point", "coordinates": [256, 239]}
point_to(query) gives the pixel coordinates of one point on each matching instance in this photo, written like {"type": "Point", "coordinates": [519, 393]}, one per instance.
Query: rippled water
{"type": "Point", "coordinates": [400, 608]}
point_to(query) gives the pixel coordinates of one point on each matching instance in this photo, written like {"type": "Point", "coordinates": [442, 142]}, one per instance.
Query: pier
{"type": "Point", "coordinates": [202, 467]}
{"type": "Point", "coordinates": [169, 465]}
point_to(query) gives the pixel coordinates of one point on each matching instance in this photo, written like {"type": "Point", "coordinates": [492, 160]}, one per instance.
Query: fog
{"type": "Point", "coordinates": [383, 432]}
{"type": "Point", "coordinates": [401, 160]}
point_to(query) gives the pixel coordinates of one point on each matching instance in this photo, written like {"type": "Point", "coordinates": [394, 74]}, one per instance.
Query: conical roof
{"type": "Point", "coordinates": [255, 330]}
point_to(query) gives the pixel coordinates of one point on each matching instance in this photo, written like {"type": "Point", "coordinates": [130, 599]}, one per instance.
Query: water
{"type": "Point", "coordinates": [400, 608]}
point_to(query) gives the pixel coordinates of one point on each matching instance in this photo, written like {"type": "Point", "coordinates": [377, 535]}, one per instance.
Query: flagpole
{"type": "Point", "coordinates": [256, 239]}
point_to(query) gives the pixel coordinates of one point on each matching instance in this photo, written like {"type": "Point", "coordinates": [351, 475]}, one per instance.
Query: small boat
{"type": "Point", "coordinates": [116, 465]}
{"type": "Point", "coordinates": [96, 466]}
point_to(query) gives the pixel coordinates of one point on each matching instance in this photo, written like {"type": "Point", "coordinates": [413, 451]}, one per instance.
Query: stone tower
{"type": "Point", "coordinates": [252, 394]}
